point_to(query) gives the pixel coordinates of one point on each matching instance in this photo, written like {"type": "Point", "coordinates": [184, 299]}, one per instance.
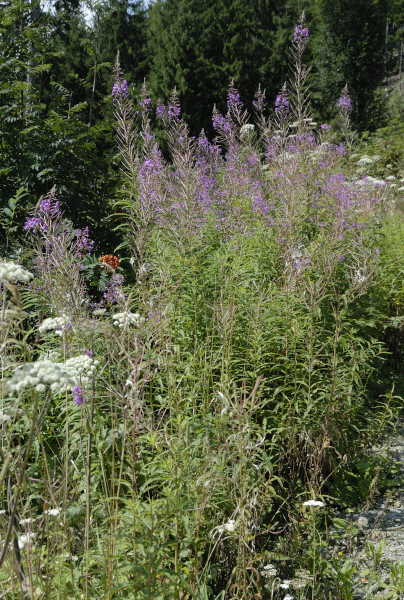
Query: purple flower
{"type": "Point", "coordinates": [84, 243]}
{"type": "Point", "coordinates": [233, 98]}
{"type": "Point", "coordinates": [50, 205]}
{"type": "Point", "coordinates": [340, 149]}
{"type": "Point", "coordinates": [220, 123]}
{"type": "Point", "coordinates": [259, 102]}
{"type": "Point", "coordinates": [301, 35]}
{"type": "Point", "coordinates": [203, 141]}
{"type": "Point", "coordinates": [173, 112]}
{"type": "Point", "coordinates": [145, 102]}
{"type": "Point", "coordinates": [151, 166]}
{"type": "Point", "coordinates": [325, 127]}
{"type": "Point", "coordinates": [345, 102]}
{"type": "Point", "coordinates": [282, 103]}
{"type": "Point", "coordinates": [160, 110]}
{"type": "Point", "coordinates": [34, 223]}
{"type": "Point", "coordinates": [78, 397]}
{"type": "Point", "coordinates": [120, 90]}
{"type": "Point", "coordinates": [113, 292]}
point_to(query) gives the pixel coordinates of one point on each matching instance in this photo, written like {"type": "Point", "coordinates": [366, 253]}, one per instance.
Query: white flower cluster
{"type": "Point", "coordinates": [247, 131]}
{"type": "Point", "coordinates": [27, 521]}
{"type": "Point", "coordinates": [359, 277]}
{"type": "Point", "coordinates": [269, 571]}
{"type": "Point", "coordinates": [56, 323]}
{"type": "Point", "coordinates": [127, 318]}
{"type": "Point", "coordinates": [11, 271]}
{"type": "Point", "coordinates": [365, 160]}
{"type": "Point", "coordinates": [26, 539]}
{"type": "Point", "coordinates": [301, 579]}
{"type": "Point", "coordinates": [229, 526]}
{"type": "Point", "coordinates": [313, 503]}
{"type": "Point", "coordinates": [41, 374]}
{"type": "Point", "coordinates": [83, 367]}
{"type": "Point", "coordinates": [4, 418]}
{"type": "Point", "coordinates": [378, 182]}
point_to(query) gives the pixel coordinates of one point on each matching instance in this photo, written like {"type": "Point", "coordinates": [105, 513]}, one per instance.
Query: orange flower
{"type": "Point", "coordinates": [110, 260]}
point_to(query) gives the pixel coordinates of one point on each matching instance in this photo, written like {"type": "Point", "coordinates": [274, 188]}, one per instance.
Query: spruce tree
{"type": "Point", "coordinates": [350, 49]}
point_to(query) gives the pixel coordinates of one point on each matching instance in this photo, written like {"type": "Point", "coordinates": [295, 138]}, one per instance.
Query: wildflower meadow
{"type": "Point", "coordinates": [187, 415]}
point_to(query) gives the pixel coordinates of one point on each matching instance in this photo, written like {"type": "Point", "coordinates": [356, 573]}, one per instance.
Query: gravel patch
{"type": "Point", "coordinates": [381, 524]}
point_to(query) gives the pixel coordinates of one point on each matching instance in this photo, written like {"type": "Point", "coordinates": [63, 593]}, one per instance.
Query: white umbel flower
{"type": "Point", "coordinates": [365, 160]}
{"type": "Point", "coordinates": [378, 182]}
{"type": "Point", "coordinates": [11, 271]}
{"type": "Point", "coordinates": [359, 277]}
{"type": "Point", "coordinates": [4, 418]}
{"type": "Point", "coordinates": [41, 374]}
{"type": "Point", "coordinates": [26, 539]}
{"type": "Point", "coordinates": [53, 512]}
{"type": "Point", "coordinates": [313, 503]}
{"type": "Point", "coordinates": [247, 131]}
{"type": "Point", "coordinates": [285, 585]}
{"type": "Point", "coordinates": [230, 525]}
{"type": "Point", "coordinates": [55, 323]}
{"type": "Point", "coordinates": [83, 367]}
{"type": "Point", "coordinates": [269, 571]}
{"type": "Point", "coordinates": [127, 318]}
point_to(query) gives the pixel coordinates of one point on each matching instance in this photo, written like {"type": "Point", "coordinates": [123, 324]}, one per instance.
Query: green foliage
{"type": "Point", "coordinates": [44, 135]}
{"type": "Point", "coordinates": [350, 49]}
{"type": "Point", "coordinates": [386, 149]}
{"type": "Point", "coordinates": [200, 47]}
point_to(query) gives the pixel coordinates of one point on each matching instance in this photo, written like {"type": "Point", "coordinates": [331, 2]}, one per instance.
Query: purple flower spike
{"type": "Point", "coordinates": [259, 102]}
{"type": "Point", "coordinates": [50, 205]}
{"type": "Point", "coordinates": [33, 224]}
{"type": "Point", "coordinates": [345, 102]}
{"type": "Point", "coordinates": [233, 97]}
{"type": "Point", "coordinates": [301, 35]}
{"type": "Point", "coordinates": [160, 110]}
{"type": "Point", "coordinates": [84, 243]}
{"type": "Point", "coordinates": [120, 90]}
{"type": "Point", "coordinates": [282, 102]}
{"type": "Point", "coordinates": [145, 102]}
{"type": "Point", "coordinates": [78, 397]}
{"type": "Point", "coordinates": [174, 112]}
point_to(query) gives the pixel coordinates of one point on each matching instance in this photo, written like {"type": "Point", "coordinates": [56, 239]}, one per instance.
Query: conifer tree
{"type": "Point", "coordinates": [350, 49]}
{"type": "Point", "coordinates": [199, 46]}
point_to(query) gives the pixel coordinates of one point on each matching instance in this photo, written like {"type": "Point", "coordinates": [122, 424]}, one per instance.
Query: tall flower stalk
{"type": "Point", "coordinates": [344, 109]}
{"type": "Point", "coordinates": [299, 73]}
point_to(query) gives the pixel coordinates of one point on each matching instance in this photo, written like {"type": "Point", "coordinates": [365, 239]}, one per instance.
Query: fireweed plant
{"type": "Point", "coordinates": [165, 441]}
